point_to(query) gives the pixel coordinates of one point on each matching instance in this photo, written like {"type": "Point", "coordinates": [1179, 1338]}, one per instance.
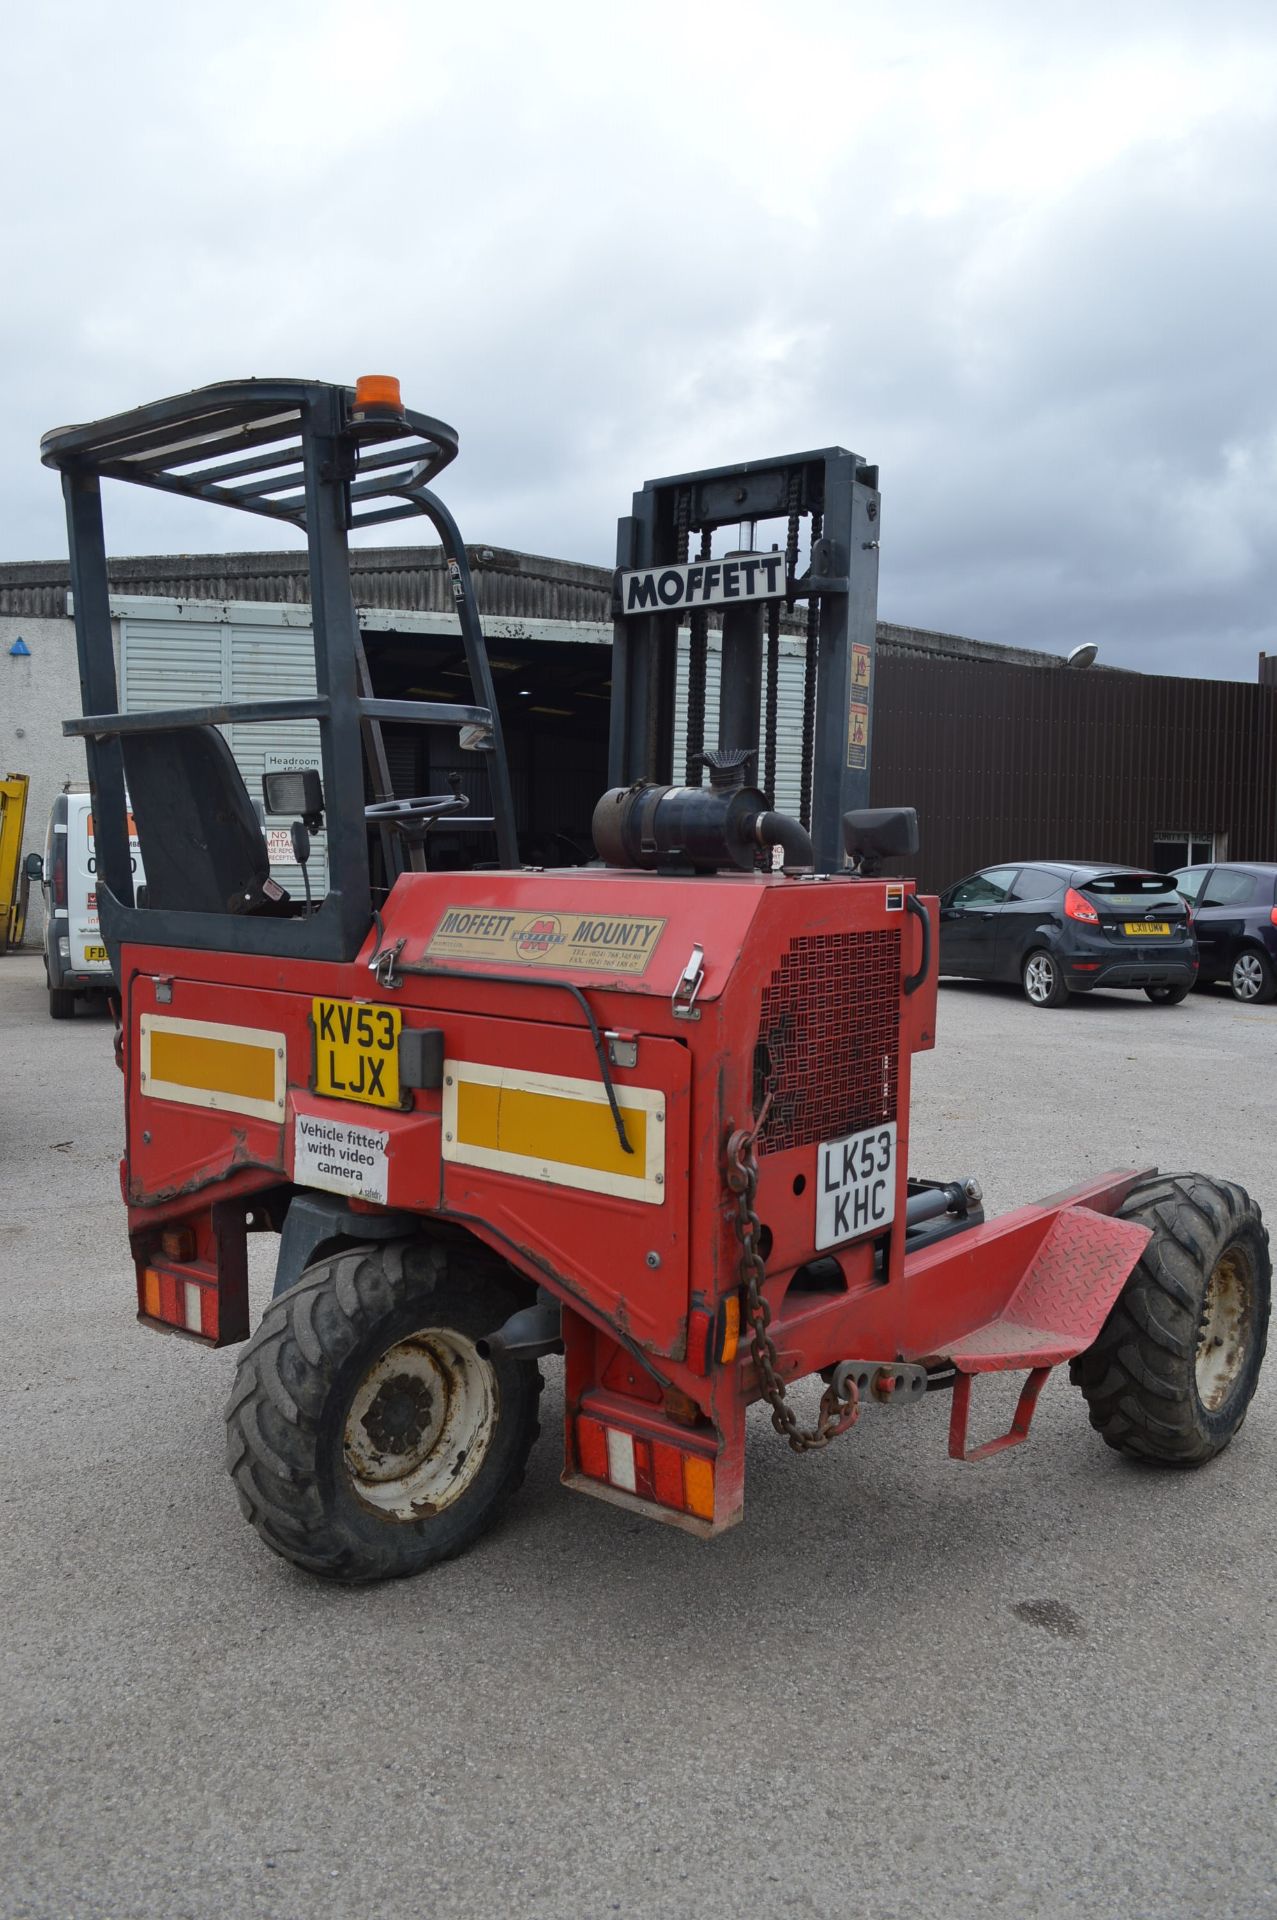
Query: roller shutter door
{"type": "Point", "coordinates": [188, 663]}
{"type": "Point", "coordinates": [789, 733]}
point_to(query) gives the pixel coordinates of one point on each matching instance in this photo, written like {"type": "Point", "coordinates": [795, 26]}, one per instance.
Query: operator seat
{"type": "Point", "coordinates": [202, 845]}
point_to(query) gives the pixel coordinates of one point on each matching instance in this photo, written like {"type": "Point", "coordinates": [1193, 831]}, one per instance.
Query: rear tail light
{"type": "Point", "coordinates": [177, 1300]}
{"type": "Point", "coordinates": [1272, 915]}
{"type": "Point", "coordinates": [1078, 907]}
{"type": "Point", "coordinates": [59, 869]}
{"type": "Point", "coordinates": [192, 1278]}
{"type": "Point", "coordinates": [650, 1469]}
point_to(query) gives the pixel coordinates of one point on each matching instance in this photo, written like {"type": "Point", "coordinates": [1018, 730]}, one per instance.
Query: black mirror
{"type": "Point", "coordinates": [872, 834]}
{"type": "Point", "coordinates": [33, 866]}
{"type": "Point", "coordinates": [299, 793]}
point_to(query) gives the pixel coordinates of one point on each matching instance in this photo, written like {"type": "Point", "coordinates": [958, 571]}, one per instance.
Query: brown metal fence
{"type": "Point", "coordinates": [1023, 763]}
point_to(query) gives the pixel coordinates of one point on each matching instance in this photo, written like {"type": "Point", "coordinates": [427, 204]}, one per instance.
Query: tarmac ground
{"type": "Point", "coordinates": [1046, 1685]}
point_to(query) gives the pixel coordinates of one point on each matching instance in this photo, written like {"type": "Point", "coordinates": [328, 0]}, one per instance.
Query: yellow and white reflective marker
{"type": "Point", "coordinates": [204, 1063]}
{"type": "Point", "coordinates": [544, 1126]}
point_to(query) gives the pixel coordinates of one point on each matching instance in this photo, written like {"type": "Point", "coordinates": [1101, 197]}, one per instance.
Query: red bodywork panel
{"type": "Point", "coordinates": [801, 997]}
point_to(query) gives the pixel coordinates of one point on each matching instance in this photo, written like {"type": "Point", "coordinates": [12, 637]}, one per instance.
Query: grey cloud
{"type": "Point", "coordinates": [603, 262]}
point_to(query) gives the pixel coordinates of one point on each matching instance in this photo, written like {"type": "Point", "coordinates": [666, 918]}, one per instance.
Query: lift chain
{"type": "Point", "coordinates": [682, 524]}
{"type": "Point", "coordinates": [773, 638]}
{"type": "Point", "coordinates": [697, 661]}
{"type": "Point", "coordinates": [809, 683]}
{"type": "Point", "coordinates": [838, 1411]}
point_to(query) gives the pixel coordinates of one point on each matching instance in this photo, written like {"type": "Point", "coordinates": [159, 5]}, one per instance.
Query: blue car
{"type": "Point", "coordinates": [1235, 920]}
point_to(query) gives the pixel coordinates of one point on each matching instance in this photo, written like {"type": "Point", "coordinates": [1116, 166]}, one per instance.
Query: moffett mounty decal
{"type": "Point", "coordinates": [582, 942]}
{"type": "Point", "coordinates": [705, 583]}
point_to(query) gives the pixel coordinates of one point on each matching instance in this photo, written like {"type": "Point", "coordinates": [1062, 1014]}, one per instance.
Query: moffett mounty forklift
{"type": "Point", "coordinates": [652, 1112]}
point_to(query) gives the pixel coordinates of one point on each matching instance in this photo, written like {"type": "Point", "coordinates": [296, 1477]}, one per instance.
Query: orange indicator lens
{"type": "Point", "coordinates": [698, 1483]}
{"type": "Point", "coordinates": [731, 1328]}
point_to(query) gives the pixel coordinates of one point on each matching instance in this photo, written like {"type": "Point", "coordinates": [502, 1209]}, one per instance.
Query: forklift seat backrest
{"type": "Point", "coordinates": [202, 846]}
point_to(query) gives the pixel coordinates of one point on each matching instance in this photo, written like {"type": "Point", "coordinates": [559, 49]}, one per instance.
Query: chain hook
{"type": "Point", "coordinates": [840, 1403]}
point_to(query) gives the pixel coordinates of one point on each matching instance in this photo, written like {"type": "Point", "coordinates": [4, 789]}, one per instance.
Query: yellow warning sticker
{"type": "Point", "coordinates": [858, 734]}
{"type": "Point", "coordinates": [582, 942]}
{"type": "Point", "coordinates": [861, 667]}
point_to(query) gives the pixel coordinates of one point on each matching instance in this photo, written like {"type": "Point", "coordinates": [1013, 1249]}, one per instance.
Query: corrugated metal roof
{"type": "Point", "coordinates": [404, 579]}
{"type": "Point", "coordinates": [527, 586]}
{"type": "Point", "coordinates": [1008, 765]}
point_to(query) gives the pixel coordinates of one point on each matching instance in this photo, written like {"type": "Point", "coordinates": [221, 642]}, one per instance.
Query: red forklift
{"type": "Point", "coordinates": [650, 1113]}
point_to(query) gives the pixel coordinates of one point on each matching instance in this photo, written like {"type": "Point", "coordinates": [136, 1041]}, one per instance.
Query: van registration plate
{"type": "Point", "coordinates": [855, 1185]}
{"type": "Point", "coordinates": [357, 1051]}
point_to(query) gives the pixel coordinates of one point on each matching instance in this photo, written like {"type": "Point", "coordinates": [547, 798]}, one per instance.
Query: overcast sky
{"type": "Point", "coordinates": [1022, 257]}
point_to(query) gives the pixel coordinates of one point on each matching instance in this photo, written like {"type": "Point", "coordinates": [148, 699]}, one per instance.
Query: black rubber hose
{"type": "Point", "coordinates": [916, 907]}
{"type": "Point", "coordinates": [778, 830]}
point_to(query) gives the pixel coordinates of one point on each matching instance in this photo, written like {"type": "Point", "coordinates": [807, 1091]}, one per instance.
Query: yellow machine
{"type": "Point", "coordinates": [13, 894]}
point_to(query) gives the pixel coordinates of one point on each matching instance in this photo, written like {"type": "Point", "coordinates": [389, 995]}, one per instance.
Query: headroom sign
{"type": "Point", "coordinates": [583, 942]}
{"type": "Point", "coordinates": [705, 583]}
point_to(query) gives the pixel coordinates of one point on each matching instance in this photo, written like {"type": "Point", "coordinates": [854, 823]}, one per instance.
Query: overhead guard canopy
{"type": "Point", "coordinates": [239, 443]}
{"type": "Point", "coordinates": [326, 459]}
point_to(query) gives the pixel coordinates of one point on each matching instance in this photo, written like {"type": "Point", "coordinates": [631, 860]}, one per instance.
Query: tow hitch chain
{"type": "Point", "coordinates": [840, 1402]}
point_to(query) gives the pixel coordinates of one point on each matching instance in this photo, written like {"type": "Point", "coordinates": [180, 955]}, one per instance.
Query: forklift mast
{"type": "Point", "coordinates": [833, 496]}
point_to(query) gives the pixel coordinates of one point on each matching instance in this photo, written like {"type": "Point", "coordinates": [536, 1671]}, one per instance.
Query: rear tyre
{"type": "Point", "coordinates": [1172, 1373]}
{"type": "Point", "coordinates": [366, 1435]}
{"type": "Point", "coordinates": [61, 1003]}
{"type": "Point", "coordinates": [1167, 996]}
{"type": "Point", "coordinates": [1043, 980]}
{"type": "Point", "coordinates": [1251, 978]}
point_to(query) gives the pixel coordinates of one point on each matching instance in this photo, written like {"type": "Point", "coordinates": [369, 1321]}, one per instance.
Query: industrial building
{"type": "Point", "coordinates": [1006, 752]}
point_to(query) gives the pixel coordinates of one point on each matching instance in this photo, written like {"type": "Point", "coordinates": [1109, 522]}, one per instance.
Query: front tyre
{"type": "Point", "coordinates": [1177, 1361]}
{"type": "Point", "coordinates": [367, 1435]}
{"type": "Point", "coordinates": [1043, 980]}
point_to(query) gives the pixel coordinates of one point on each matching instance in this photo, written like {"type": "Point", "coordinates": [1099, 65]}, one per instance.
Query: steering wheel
{"type": "Point", "coordinates": [425, 806]}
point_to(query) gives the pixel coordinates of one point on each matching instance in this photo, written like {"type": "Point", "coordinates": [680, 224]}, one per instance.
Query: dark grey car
{"type": "Point", "coordinates": [1063, 927]}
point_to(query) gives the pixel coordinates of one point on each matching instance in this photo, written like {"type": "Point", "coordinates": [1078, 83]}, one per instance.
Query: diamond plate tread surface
{"type": "Point", "coordinates": [1064, 1297]}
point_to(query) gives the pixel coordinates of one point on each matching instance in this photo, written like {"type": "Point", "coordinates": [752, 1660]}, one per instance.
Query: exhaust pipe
{"type": "Point", "coordinates": [527, 1334]}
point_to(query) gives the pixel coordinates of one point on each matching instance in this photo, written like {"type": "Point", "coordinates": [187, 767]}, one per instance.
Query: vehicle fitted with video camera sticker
{"type": "Point", "coordinates": [651, 1113]}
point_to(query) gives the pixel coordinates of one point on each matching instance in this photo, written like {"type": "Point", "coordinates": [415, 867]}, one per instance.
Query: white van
{"type": "Point", "coordinates": [75, 959]}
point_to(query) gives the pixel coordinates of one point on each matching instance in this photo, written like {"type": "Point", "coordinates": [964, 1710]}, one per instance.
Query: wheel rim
{"type": "Point", "coordinates": [420, 1424]}
{"type": "Point", "coordinates": [1223, 1334]}
{"type": "Point", "coordinates": [1248, 976]}
{"type": "Point", "coordinates": [1039, 977]}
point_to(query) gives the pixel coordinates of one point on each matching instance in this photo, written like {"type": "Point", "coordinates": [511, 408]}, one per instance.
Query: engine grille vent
{"type": "Point", "coordinates": [829, 1039]}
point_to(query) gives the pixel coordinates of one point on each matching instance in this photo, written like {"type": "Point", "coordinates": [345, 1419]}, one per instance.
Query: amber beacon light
{"type": "Point", "coordinates": [377, 394]}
